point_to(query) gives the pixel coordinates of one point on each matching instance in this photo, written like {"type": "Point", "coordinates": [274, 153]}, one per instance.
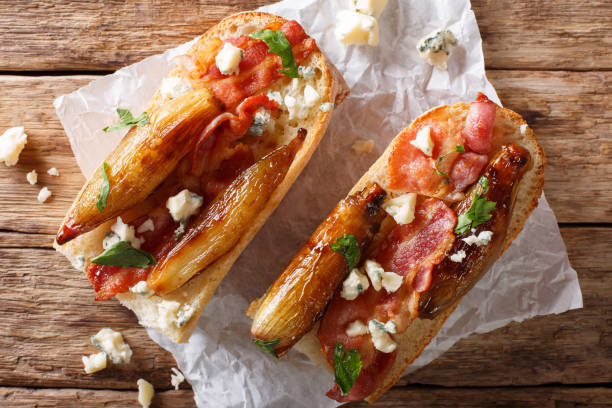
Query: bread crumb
{"type": "Point", "coordinates": [53, 172]}
{"type": "Point", "coordinates": [363, 146]}
{"type": "Point", "coordinates": [44, 194]}
{"type": "Point", "coordinates": [32, 177]}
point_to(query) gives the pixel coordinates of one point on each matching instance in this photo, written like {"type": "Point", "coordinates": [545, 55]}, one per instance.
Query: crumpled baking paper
{"type": "Point", "coordinates": [390, 86]}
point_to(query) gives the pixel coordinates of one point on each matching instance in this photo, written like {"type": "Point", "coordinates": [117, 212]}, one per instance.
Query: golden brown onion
{"type": "Point", "coordinates": [299, 296]}
{"type": "Point", "coordinates": [141, 161]}
{"type": "Point", "coordinates": [219, 227]}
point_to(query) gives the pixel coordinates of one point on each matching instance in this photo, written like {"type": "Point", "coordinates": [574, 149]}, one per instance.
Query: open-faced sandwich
{"type": "Point", "coordinates": [380, 275]}
{"type": "Point", "coordinates": [167, 213]}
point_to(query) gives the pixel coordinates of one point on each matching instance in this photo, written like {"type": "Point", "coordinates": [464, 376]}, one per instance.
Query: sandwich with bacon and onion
{"type": "Point", "coordinates": [380, 275]}
{"type": "Point", "coordinates": [167, 213]}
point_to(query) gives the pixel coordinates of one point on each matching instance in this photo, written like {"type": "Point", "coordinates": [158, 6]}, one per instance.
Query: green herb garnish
{"type": "Point", "coordinates": [124, 255]}
{"type": "Point", "coordinates": [479, 211]}
{"type": "Point", "coordinates": [267, 346]}
{"type": "Point", "coordinates": [347, 367]}
{"type": "Point", "coordinates": [127, 120]}
{"type": "Point", "coordinates": [104, 189]}
{"type": "Point", "coordinates": [279, 45]}
{"type": "Point", "coordinates": [348, 247]}
{"type": "Point", "coordinates": [458, 149]}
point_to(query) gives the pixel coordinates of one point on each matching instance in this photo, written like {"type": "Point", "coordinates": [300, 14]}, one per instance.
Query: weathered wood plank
{"type": "Point", "coordinates": [29, 102]}
{"type": "Point", "coordinates": [569, 112]}
{"type": "Point", "coordinates": [537, 397]}
{"type": "Point", "coordinates": [564, 34]}
{"type": "Point", "coordinates": [48, 315]}
{"type": "Point", "coordinates": [102, 35]}
{"type": "Point", "coordinates": [405, 397]}
{"type": "Point", "coordinates": [96, 34]}
{"type": "Point", "coordinates": [80, 398]}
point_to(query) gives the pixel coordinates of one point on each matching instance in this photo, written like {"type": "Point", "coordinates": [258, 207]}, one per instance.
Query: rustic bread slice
{"type": "Point", "coordinates": [509, 128]}
{"type": "Point", "coordinates": [197, 292]}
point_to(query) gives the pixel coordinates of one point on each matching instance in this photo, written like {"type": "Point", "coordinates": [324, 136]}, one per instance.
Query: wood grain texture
{"type": "Point", "coordinates": [545, 397]}
{"type": "Point", "coordinates": [17, 397]}
{"type": "Point", "coordinates": [569, 112]}
{"type": "Point", "coordinates": [102, 35]}
{"type": "Point", "coordinates": [106, 35]}
{"type": "Point", "coordinates": [49, 315]}
{"type": "Point", "coordinates": [565, 34]}
{"type": "Point", "coordinates": [417, 397]}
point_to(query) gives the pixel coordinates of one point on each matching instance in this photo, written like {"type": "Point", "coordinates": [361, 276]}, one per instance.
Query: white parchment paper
{"type": "Point", "coordinates": [390, 86]}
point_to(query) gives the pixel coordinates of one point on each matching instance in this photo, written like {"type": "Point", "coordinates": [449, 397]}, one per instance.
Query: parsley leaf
{"type": "Point", "coordinates": [279, 45]}
{"type": "Point", "coordinates": [458, 149]}
{"type": "Point", "coordinates": [347, 367]}
{"type": "Point", "coordinates": [348, 247]}
{"type": "Point", "coordinates": [127, 120]}
{"type": "Point", "coordinates": [463, 224]}
{"type": "Point", "coordinates": [479, 211]}
{"type": "Point", "coordinates": [267, 346]}
{"type": "Point", "coordinates": [484, 184]}
{"type": "Point", "coordinates": [104, 189]}
{"type": "Point", "coordinates": [124, 255]}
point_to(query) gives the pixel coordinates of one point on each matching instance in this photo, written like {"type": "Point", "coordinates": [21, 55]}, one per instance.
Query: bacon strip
{"type": "Point", "coordinates": [411, 251]}
{"type": "Point", "coordinates": [479, 124]}
{"type": "Point", "coordinates": [238, 124]}
{"type": "Point", "coordinates": [466, 169]}
{"type": "Point", "coordinates": [411, 170]}
{"type": "Point", "coordinates": [258, 67]}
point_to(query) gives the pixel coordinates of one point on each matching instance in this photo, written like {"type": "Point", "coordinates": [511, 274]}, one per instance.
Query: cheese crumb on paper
{"type": "Point", "coordinates": [362, 146]}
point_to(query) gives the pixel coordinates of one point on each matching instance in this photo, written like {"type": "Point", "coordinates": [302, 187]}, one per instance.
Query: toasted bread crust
{"type": "Point", "coordinates": [507, 129]}
{"type": "Point", "coordinates": [198, 291]}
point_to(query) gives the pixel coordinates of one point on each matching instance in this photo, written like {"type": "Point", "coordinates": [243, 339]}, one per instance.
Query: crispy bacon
{"type": "Point", "coordinates": [479, 124]}
{"type": "Point", "coordinates": [258, 67]}
{"type": "Point", "coordinates": [237, 125]}
{"type": "Point", "coordinates": [411, 170]}
{"type": "Point", "coordinates": [466, 169]}
{"type": "Point", "coordinates": [411, 251]}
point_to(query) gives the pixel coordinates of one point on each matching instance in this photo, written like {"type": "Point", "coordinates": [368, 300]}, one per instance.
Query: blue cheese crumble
{"type": "Point", "coordinates": [435, 48]}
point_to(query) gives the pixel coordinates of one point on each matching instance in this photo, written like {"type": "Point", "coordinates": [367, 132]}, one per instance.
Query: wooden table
{"type": "Point", "coordinates": [549, 60]}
